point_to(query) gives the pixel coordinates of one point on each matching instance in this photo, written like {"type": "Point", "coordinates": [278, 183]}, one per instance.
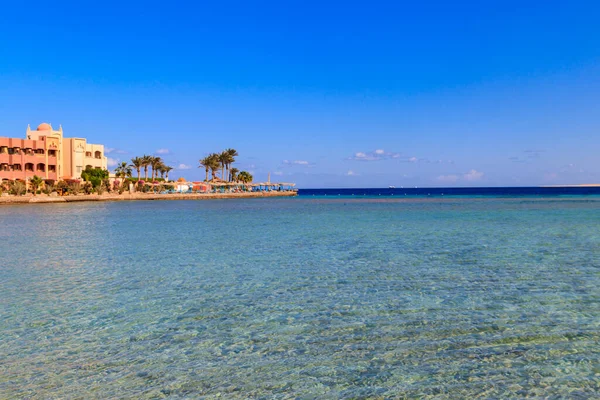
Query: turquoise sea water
{"type": "Point", "coordinates": [302, 298]}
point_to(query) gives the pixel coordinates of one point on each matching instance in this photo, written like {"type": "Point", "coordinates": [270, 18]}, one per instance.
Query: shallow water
{"type": "Point", "coordinates": [301, 297]}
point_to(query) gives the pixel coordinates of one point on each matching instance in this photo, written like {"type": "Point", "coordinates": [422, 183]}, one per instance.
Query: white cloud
{"type": "Point", "coordinates": [375, 155]}
{"type": "Point", "coordinates": [473, 175]}
{"type": "Point", "coordinates": [413, 159]}
{"type": "Point", "coordinates": [351, 173]}
{"type": "Point", "coordinates": [111, 162]}
{"type": "Point", "coordinates": [278, 173]}
{"type": "Point", "coordinates": [109, 150]}
{"type": "Point", "coordinates": [448, 178]}
{"type": "Point", "coordinates": [163, 151]}
{"type": "Point", "coordinates": [183, 166]}
{"type": "Point", "coordinates": [303, 163]}
{"type": "Point", "coordinates": [534, 153]}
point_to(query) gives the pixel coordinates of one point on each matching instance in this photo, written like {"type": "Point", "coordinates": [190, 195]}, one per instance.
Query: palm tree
{"type": "Point", "coordinates": [233, 173]}
{"type": "Point", "coordinates": [160, 169]}
{"type": "Point", "coordinates": [232, 154]}
{"type": "Point", "coordinates": [167, 169]}
{"type": "Point", "coordinates": [123, 171]}
{"type": "Point", "coordinates": [155, 163]}
{"type": "Point", "coordinates": [145, 163]}
{"type": "Point", "coordinates": [215, 164]}
{"type": "Point", "coordinates": [205, 162]}
{"type": "Point", "coordinates": [137, 163]}
{"type": "Point", "coordinates": [35, 183]}
{"type": "Point", "coordinates": [223, 158]}
{"type": "Point", "coordinates": [245, 177]}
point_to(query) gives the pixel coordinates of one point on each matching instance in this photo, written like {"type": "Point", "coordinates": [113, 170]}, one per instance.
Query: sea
{"type": "Point", "coordinates": [333, 294]}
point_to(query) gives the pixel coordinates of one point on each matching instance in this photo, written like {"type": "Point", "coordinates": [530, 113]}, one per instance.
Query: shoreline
{"type": "Point", "coordinates": [44, 199]}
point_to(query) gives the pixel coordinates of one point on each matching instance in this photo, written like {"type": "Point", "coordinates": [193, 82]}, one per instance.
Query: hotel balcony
{"type": "Point", "coordinates": [97, 155]}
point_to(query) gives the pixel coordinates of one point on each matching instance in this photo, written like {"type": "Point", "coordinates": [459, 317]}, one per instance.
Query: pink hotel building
{"type": "Point", "coordinates": [49, 155]}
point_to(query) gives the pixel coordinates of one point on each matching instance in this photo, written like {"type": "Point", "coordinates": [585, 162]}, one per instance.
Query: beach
{"type": "Point", "coordinates": [44, 199]}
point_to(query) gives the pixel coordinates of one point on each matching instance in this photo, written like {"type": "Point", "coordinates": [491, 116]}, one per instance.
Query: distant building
{"type": "Point", "coordinates": [49, 155]}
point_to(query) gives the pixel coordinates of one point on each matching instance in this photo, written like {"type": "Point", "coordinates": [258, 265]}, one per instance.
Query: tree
{"type": "Point", "coordinates": [214, 164]}
{"type": "Point", "coordinates": [245, 177]}
{"type": "Point", "coordinates": [233, 174]}
{"type": "Point", "coordinates": [205, 162]}
{"type": "Point", "coordinates": [94, 176]}
{"type": "Point", "coordinates": [232, 154]}
{"type": "Point", "coordinates": [155, 163]}
{"type": "Point", "coordinates": [123, 171]}
{"type": "Point", "coordinates": [224, 159]}
{"type": "Point", "coordinates": [145, 163]}
{"type": "Point", "coordinates": [138, 164]}
{"type": "Point", "coordinates": [167, 169]}
{"type": "Point", "coordinates": [35, 183]}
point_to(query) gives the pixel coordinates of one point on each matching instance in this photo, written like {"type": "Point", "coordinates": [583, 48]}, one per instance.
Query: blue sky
{"type": "Point", "coordinates": [325, 94]}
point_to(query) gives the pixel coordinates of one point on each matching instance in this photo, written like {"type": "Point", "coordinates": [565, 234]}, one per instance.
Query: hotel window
{"type": "Point", "coordinates": [39, 151]}
{"type": "Point", "coordinates": [88, 153]}
{"type": "Point", "coordinates": [29, 167]}
{"type": "Point", "coordinates": [52, 153]}
{"type": "Point", "coordinates": [51, 168]}
{"type": "Point", "coordinates": [17, 167]}
{"type": "Point", "coordinates": [98, 155]}
{"type": "Point", "coordinates": [41, 167]}
{"type": "Point", "coordinates": [4, 167]}
{"type": "Point", "coordinates": [3, 149]}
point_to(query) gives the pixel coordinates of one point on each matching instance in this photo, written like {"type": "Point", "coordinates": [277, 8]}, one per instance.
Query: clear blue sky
{"type": "Point", "coordinates": [326, 94]}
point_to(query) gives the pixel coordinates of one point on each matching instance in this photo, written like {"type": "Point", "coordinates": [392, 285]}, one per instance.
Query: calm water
{"type": "Point", "coordinates": [302, 298]}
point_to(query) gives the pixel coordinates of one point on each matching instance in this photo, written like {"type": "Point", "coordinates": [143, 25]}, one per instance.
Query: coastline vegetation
{"type": "Point", "coordinates": [95, 180]}
{"type": "Point", "coordinates": [223, 161]}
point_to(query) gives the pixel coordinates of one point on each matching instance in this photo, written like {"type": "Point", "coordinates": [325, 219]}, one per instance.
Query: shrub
{"type": "Point", "coordinates": [62, 187]}
{"type": "Point", "coordinates": [73, 186]}
{"type": "Point", "coordinates": [47, 189]}
{"type": "Point", "coordinates": [95, 181]}
{"type": "Point", "coordinates": [124, 187]}
{"type": "Point", "coordinates": [48, 186]}
{"type": "Point", "coordinates": [93, 173]}
{"type": "Point", "coordinates": [106, 185]}
{"type": "Point", "coordinates": [135, 180]}
{"type": "Point", "coordinates": [17, 188]}
{"type": "Point", "coordinates": [88, 188]}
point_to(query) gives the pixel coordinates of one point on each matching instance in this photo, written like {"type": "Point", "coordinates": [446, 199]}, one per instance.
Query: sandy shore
{"type": "Point", "coordinates": [43, 199]}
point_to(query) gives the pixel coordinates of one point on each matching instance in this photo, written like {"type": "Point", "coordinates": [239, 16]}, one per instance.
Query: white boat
{"type": "Point", "coordinates": [392, 187]}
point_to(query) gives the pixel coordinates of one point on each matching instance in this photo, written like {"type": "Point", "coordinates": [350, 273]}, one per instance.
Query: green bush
{"type": "Point", "coordinates": [95, 181]}
{"type": "Point", "coordinates": [88, 188]}
{"type": "Point", "coordinates": [17, 188]}
{"type": "Point", "coordinates": [93, 173]}
{"type": "Point", "coordinates": [106, 185]}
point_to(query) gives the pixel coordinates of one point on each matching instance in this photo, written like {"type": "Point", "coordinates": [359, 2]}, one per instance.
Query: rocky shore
{"type": "Point", "coordinates": [43, 199]}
